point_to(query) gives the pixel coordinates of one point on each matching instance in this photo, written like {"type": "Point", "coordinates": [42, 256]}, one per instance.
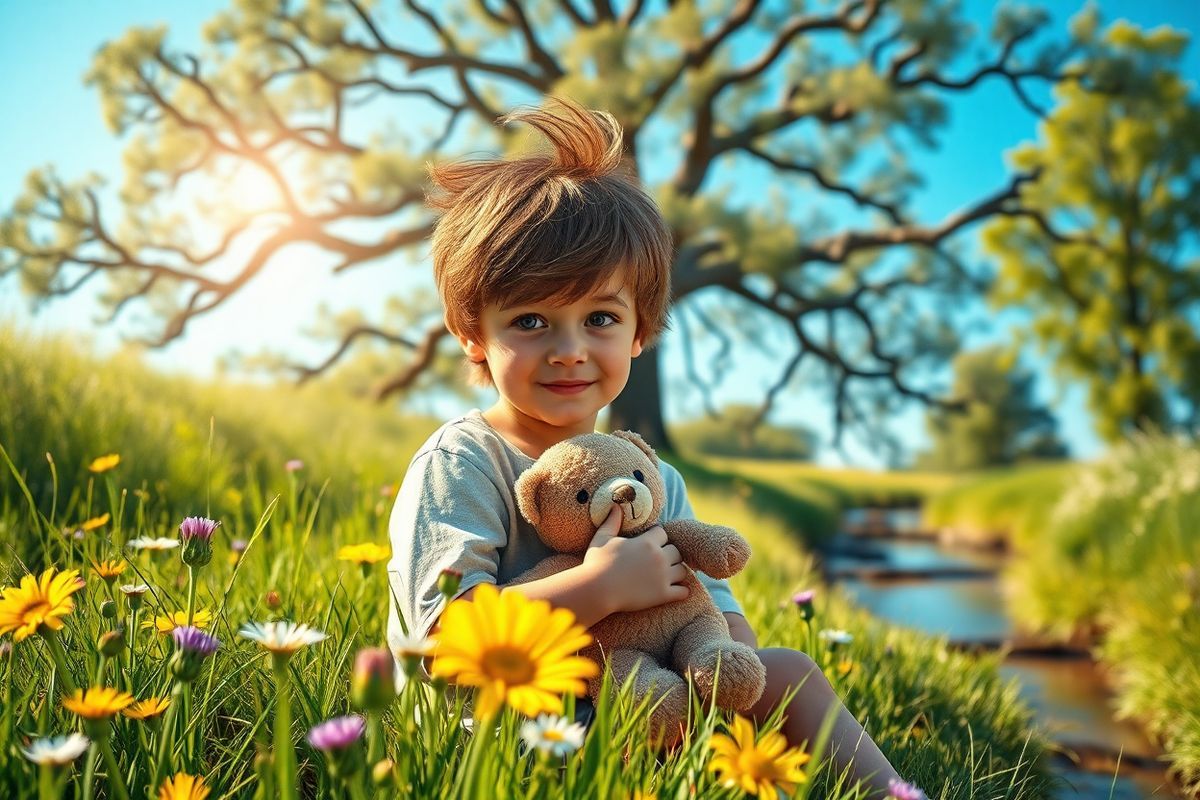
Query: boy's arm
{"type": "Point", "coordinates": [740, 629]}
{"type": "Point", "coordinates": [581, 589]}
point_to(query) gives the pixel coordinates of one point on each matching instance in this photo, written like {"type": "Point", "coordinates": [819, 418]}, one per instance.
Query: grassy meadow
{"type": "Point", "coordinates": [240, 718]}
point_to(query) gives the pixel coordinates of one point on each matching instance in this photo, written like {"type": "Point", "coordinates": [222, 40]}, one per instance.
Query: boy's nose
{"type": "Point", "coordinates": [568, 349]}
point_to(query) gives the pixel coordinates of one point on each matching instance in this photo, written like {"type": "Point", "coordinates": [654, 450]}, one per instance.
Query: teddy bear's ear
{"type": "Point", "coordinates": [526, 490]}
{"type": "Point", "coordinates": [637, 440]}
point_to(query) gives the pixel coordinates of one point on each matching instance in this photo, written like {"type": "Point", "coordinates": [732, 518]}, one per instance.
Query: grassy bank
{"type": "Point", "coordinates": [1110, 552]}
{"type": "Point", "coordinates": [946, 720]}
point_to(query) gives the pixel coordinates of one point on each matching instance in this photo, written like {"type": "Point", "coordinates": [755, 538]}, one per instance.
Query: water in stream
{"type": "Point", "coordinates": [1068, 696]}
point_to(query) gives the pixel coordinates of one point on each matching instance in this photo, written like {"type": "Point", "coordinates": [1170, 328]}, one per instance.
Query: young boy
{"type": "Point", "coordinates": [554, 270]}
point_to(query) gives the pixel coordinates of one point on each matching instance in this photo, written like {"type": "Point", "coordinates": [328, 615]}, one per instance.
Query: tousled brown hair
{"type": "Point", "coordinates": [549, 225]}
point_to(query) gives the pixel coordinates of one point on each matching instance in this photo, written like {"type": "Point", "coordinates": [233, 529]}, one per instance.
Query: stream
{"type": "Point", "coordinates": [889, 567]}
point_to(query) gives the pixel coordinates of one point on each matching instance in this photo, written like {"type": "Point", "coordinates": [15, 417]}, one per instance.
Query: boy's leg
{"type": "Point", "coordinates": [848, 742]}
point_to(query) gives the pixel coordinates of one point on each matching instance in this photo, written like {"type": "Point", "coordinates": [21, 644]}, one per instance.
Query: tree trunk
{"type": "Point", "coordinates": [639, 407]}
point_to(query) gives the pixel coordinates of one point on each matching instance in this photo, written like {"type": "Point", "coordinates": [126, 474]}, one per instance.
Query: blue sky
{"type": "Point", "coordinates": [51, 117]}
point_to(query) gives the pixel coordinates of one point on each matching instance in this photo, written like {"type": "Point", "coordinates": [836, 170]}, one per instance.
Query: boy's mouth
{"type": "Point", "coordinates": [567, 387]}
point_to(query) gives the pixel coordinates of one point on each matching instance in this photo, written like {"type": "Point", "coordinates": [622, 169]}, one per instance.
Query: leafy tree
{"type": "Point", "coordinates": [739, 432]}
{"type": "Point", "coordinates": [1001, 423]}
{"type": "Point", "coordinates": [1105, 255]}
{"type": "Point", "coordinates": [302, 130]}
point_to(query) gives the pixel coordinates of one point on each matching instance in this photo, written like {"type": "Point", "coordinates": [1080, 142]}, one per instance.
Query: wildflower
{"type": "Point", "coordinates": [373, 684]}
{"type": "Point", "coordinates": [383, 774]}
{"type": "Point", "coordinates": [151, 543]}
{"type": "Point", "coordinates": [56, 751]}
{"type": "Point", "coordinates": [804, 602]}
{"type": "Point", "coordinates": [97, 703]}
{"type": "Point", "coordinates": [835, 637]}
{"type": "Point", "coordinates": [39, 603]}
{"type": "Point", "coordinates": [165, 623]}
{"type": "Point", "coordinates": [337, 733]}
{"type": "Point", "coordinates": [899, 790]}
{"type": "Point", "coordinates": [236, 548]}
{"type": "Point", "coordinates": [555, 735]}
{"type": "Point", "coordinates": [183, 787]}
{"type": "Point", "coordinates": [272, 599]}
{"type": "Point", "coordinates": [108, 609]}
{"type": "Point", "coordinates": [388, 490]}
{"type": "Point", "coordinates": [448, 582]}
{"type": "Point", "coordinates": [195, 534]}
{"type": "Point", "coordinates": [410, 650]}
{"type": "Point", "coordinates": [112, 643]}
{"type": "Point", "coordinates": [294, 465]}
{"type": "Point", "coordinates": [514, 650]}
{"type": "Point", "coordinates": [845, 667]}
{"type": "Point", "coordinates": [134, 592]}
{"type": "Point", "coordinates": [366, 553]}
{"type": "Point", "coordinates": [757, 767]}
{"type": "Point", "coordinates": [192, 646]}
{"type": "Point", "coordinates": [108, 570]}
{"type": "Point", "coordinates": [94, 522]}
{"type": "Point", "coordinates": [281, 638]}
{"type": "Point", "coordinates": [104, 463]}
{"type": "Point", "coordinates": [150, 708]}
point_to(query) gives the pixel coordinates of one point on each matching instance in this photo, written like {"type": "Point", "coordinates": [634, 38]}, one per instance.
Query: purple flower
{"type": "Point", "coordinates": [337, 733]}
{"type": "Point", "coordinates": [295, 465]}
{"type": "Point", "coordinates": [239, 545]}
{"type": "Point", "coordinates": [804, 598]}
{"type": "Point", "coordinates": [197, 528]}
{"type": "Point", "coordinates": [192, 640]}
{"type": "Point", "coordinates": [899, 790]}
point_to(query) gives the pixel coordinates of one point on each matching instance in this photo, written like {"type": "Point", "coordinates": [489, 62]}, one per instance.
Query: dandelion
{"type": "Point", "coordinates": [514, 650]}
{"type": "Point", "coordinates": [166, 623]}
{"type": "Point", "coordinates": [899, 790]}
{"type": "Point", "coordinates": [38, 604]}
{"type": "Point", "coordinates": [109, 570]}
{"type": "Point", "coordinates": [94, 522]}
{"type": "Point", "coordinates": [763, 767]}
{"type": "Point", "coordinates": [294, 465]}
{"type": "Point", "coordinates": [282, 637]}
{"type": "Point", "coordinates": [150, 708]}
{"type": "Point", "coordinates": [364, 554]}
{"type": "Point", "coordinates": [104, 463]}
{"type": "Point", "coordinates": [153, 543]}
{"type": "Point", "coordinates": [56, 751]}
{"type": "Point", "coordinates": [183, 787]}
{"type": "Point", "coordinates": [555, 735]}
{"type": "Point", "coordinates": [97, 703]}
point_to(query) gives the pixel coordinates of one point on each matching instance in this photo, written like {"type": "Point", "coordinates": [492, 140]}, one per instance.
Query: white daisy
{"type": "Point", "coordinates": [414, 646]}
{"type": "Point", "coordinates": [57, 750]}
{"type": "Point", "coordinates": [134, 589]}
{"type": "Point", "coordinates": [148, 543]}
{"type": "Point", "coordinates": [554, 735]}
{"type": "Point", "coordinates": [836, 636]}
{"type": "Point", "coordinates": [281, 637]}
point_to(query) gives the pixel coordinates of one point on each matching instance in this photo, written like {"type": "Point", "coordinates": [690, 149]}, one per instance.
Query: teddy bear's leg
{"type": "Point", "coordinates": [700, 645]}
{"type": "Point", "coordinates": [665, 688]}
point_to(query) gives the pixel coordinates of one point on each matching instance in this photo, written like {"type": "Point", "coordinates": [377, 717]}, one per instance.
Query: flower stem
{"type": "Point", "coordinates": [100, 670]}
{"type": "Point", "coordinates": [374, 738]}
{"type": "Point", "coordinates": [89, 770]}
{"type": "Point", "coordinates": [47, 789]}
{"type": "Point", "coordinates": [115, 779]}
{"type": "Point", "coordinates": [285, 754]}
{"type": "Point", "coordinates": [60, 658]}
{"type": "Point", "coordinates": [133, 631]}
{"type": "Point", "coordinates": [191, 593]}
{"type": "Point", "coordinates": [166, 735]}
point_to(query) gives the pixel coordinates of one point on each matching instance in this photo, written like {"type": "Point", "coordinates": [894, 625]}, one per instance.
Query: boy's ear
{"type": "Point", "coordinates": [636, 350]}
{"type": "Point", "coordinates": [526, 490]}
{"type": "Point", "coordinates": [473, 349]}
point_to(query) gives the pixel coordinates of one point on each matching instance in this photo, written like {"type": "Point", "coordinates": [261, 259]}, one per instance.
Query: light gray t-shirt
{"type": "Point", "coordinates": [456, 510]}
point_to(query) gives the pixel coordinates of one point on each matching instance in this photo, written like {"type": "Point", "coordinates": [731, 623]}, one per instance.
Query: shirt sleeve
{"type": "Point", "coordinates": [449, 514]}
{"type": "Point", "coordinates": [679, 507]}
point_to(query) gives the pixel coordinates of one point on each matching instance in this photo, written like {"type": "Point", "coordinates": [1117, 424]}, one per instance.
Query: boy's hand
{"type": "Point", "coordinates": [639, 572]}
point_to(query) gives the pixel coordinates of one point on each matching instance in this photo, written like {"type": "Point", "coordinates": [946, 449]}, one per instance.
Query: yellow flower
{"type": "Point", "coordinates": [183, 787]}
{"type": "Point", "coordinates": [108, 570]}
{"type": "Point", "coordinates": [38, 601]}
{"type": "Point", "coordinates": [845, 667]}
{"type": "Point", "coordinates": [367, 553]}
{"type": "Point", "coordinates": [514, 650]}
{"type": "Point", "coordinates": [149, 708]}
{"type": "Point", "coordinates": [165, 623]}
{"type": "Point", "coordinates": [98, 702]}
{"type": "Point", "coordinates": [757, 768]}
{"type": "Point", "coordinates": [104, 463]}
{"type": "Point", "coordinates": [94, 522]}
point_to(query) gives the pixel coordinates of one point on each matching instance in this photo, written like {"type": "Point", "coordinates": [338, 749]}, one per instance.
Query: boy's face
{"type": "Point", "coordinates": [556, 366]}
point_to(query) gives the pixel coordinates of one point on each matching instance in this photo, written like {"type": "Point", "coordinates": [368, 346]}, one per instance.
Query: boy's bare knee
{"type": "Point", "coordinates": [785, 665]}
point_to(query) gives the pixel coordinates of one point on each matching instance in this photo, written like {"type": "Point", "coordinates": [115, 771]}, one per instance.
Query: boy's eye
{"type": "Point", "coordinates": [601, 319]}
{"type": "Point", "coordinates": [638, 476]}
{"type": "Point", "coordinates": [527, 322]}
{"type": "Point", "coordinates": [582, 496]}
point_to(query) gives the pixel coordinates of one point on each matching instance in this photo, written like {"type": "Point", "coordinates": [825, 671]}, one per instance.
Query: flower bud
{"type": "Point", "coordinates": [272, 599]}
{"type": "Point", "coordinates": [112, 643]}
{"type": "Point", "coordinates": [804, 603]}
{"type": "Point", "coordinates": [448, 582]}
{"type": "Point", "coordinates": [373, 685]}
{"type": "Point", "coordinates": [197, 552]}
{"type": "Point", "coordinates": [108, 609]}
{"type": "Point", "coordinates": [383, 774]}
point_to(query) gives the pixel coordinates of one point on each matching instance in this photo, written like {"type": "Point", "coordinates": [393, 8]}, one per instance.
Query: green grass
{"type": "Point", "coordinates": [1008, 504]}
{"type": "Point", "coordinates": [945, 720]}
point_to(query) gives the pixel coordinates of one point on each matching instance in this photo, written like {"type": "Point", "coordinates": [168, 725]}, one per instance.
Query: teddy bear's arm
{"type": "Point", "coordinates": [715, 550]}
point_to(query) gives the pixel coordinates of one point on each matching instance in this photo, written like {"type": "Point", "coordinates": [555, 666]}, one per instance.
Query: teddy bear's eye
{"type": "Point", "coordinates": [638, 476]}
{"type": "Point", "coordinates": [582, 496]}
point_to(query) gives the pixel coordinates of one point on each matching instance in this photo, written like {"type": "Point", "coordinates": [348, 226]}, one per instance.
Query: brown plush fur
{"type": "Point", "coordinates": [666, 642]}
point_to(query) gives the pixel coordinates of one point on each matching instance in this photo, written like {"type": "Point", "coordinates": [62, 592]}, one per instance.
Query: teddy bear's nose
{"type": "Point", "coordinates": [624, 494]}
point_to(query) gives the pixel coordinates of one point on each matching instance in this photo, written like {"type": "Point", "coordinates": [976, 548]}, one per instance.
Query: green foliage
{"type": "Point", "coordinates": [1002, 422]}
{"type": "Point", "coordinates": [1103, 251]}
{"type": "Point", "coordinates": [734, 434]}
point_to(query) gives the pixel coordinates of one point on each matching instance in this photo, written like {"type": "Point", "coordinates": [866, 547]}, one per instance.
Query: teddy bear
{"type": "Point", "coordinates": [566, 495]}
